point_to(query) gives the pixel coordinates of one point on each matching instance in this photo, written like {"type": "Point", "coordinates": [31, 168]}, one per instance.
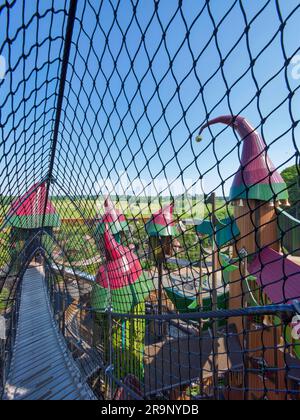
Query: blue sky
{"type": "Point", "coordinates": [100, 137]}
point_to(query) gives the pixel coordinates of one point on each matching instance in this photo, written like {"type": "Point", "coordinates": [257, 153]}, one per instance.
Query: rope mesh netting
{"type": "Point", "coordinates": [170, 244]}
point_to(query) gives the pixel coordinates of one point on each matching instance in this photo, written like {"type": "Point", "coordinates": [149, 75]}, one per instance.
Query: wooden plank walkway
{"type": "Point", "coordinates": [41, 368]}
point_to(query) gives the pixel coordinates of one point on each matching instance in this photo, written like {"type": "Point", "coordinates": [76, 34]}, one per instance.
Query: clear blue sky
{"type": "Point", "coordinates": [89, 148]}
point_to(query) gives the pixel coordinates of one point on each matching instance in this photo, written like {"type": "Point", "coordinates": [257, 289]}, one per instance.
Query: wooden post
{"type": "Point", "coordinates": [161, 246]}
{"type": "Point", "coordinates": [257, 222]}
{"type": "Point", "coordinates": [158, 251]}
{"type": "Point", "coordinates": [258, 228]}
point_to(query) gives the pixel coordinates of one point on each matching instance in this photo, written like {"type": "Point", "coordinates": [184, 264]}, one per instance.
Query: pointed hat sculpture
{"type": "Point", "coordinates": [112, 218]}
{"type": "Point", "coordinates": [257, 178]}
{"type": "Point", "coordinates": [162, 223]}
{"type": "Point", "coordinates": [121, 281]}
{"type": "Point", "coordinates": [27, 212]}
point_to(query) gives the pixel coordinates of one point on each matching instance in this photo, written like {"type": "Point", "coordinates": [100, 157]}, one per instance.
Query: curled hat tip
{"type": "Point", "coordinates": [199, 139]}
{"type": "Point", "coordinates": [107, 202]}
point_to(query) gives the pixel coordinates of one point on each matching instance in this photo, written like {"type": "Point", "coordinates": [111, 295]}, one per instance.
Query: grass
{"type": "Point", "coordinates": [4, 248]}
{"type": "Point", "coordinates": [89, 208]}
{"type": "Point", "coordinates": [86, 208]}
{"type": "Point", "coordinates": [78, 241]}
{"type": "Point", "coordinates": [3, 299]}
{"type": "Point", "coordinates": [79, 245]}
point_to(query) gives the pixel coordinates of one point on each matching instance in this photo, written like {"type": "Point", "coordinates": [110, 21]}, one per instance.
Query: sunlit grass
{"type": "Point", "coordinates": [3, 299]}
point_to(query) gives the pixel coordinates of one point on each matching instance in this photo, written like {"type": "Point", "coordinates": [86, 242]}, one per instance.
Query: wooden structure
{"type": "Point", "coordinates": [257, 190]}
{"type": "Point", "coordinates": [31, 217]}
{"type": "Point", "coordinates": [161, 230]}
{"type": "Point", "coordinates": [121, 288]}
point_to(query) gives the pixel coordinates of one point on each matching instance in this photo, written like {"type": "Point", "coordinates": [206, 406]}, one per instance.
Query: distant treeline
{"type": "Point", "coordinates": [127, 198]}
{"type": "Point", "coordinates": [6, 200]}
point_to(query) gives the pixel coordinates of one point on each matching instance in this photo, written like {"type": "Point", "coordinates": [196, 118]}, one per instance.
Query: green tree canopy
{"type": "Point", "coordinates": [291, 176]}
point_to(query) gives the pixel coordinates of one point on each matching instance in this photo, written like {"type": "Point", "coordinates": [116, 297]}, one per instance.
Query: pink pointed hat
{"type": "Point", "coordinates": [112, 218]}
{"type": "Point", "coordinates": [123, 267]}
{"type": "Point", "coordinates": [121, 278]}
{"type": "Point", "coordinates": [162, 223]}
{"type": "Point", "coordinates": [257, 177]}
{"type": "Point", "coordinates": [27, 212]}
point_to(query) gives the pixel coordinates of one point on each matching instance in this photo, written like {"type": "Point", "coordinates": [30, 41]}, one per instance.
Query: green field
{"type": "Point", "coordinates": [3, 299]}
{"type": "Point", "coordinates": [132, 207]}
{"type": "Point", "coordinates": [78, 239]}
{"type": "Point", "coordinates": [89, 208]}
{"type": "Point", "coordinates": [86, 208]}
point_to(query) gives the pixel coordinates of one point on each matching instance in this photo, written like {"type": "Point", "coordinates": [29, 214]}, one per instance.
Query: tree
{"type": "Point", "coordinates": [291, 176]}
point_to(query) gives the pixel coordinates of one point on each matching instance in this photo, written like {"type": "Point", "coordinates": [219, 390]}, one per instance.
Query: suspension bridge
{"type": "Point", "coordinates": [42, 367]}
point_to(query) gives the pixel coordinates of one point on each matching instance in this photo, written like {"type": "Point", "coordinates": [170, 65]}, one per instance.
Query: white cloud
{"type": "Point", "coordinates": [2, 67]}
{"type": "Point", "coordinates": [139, 187]}
{"type": "Point", "coordinates": [296, 67]}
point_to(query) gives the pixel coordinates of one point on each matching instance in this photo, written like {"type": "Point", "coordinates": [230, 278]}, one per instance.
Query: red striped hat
{"type": "Point", "coordinates": [31, 211]}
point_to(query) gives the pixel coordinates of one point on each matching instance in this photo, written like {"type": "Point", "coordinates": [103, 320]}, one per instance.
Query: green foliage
{"type": "Point", "coordinates": [78, 240]}
{"type": "Point", "coordinates": [3, 299]}
{"type": "Point", "coordinates": [291, 176]}
{"type": "Point", "coordinates": [5, 249]}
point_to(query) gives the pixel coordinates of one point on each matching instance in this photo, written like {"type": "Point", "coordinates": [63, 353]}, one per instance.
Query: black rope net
{"type": "Point", "coordinates": [172, 264]}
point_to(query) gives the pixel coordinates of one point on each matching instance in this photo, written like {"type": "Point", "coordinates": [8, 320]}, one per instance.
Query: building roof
{"type": "Point", "coordinates": [122, 268]}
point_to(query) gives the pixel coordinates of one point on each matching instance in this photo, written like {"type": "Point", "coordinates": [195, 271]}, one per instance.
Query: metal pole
{"type": "Point", "coordinates": [160, 257]}
{"type": "Point", "coordinates": [200, 295]}
{"type": "Point", "coordinates": [215, 297]}
{"type": "Point", "coordinates": [247, 323]}
{"type": "Point", "coordinates": [160, 285]}
{"type": "Point", "coordinates": [62, 85]}
{"type": "Point", "coordinates": [200, 304]}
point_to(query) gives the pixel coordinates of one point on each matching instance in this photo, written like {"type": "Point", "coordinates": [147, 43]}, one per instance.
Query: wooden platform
{"type": "Point", "coordinates": [183, 360]}
{"type": "Point", "coordinates": [41, 368]}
